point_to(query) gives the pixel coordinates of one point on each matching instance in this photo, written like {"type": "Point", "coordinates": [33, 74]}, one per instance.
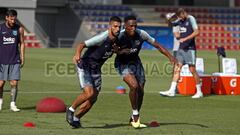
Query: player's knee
{"type": "Point", "coordinates": [140, 92]}
{"type": "Point", "coordinates": [2, 84]}
{"type": "Point", "coordinates": [13, 83]}
{"type": "Point", "coordinates": [92, 94]}
{"type": "Point", "coordinates": [192, 70]}
{"type": "Point", "coordinates": [134, 86]}
{"type": "Point", "coordinates": [141, 88]}
{"type": "Point", "coordinates": [177, 69]}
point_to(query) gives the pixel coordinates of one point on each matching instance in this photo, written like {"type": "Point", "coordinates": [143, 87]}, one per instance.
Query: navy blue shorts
{"type": "Point", "coordinates": [89, 78]}
{"type": "Point", "coordinates": [135, 68]}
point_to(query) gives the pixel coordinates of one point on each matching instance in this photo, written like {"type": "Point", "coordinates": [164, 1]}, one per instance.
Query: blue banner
{"type": "Point", "coordinates": [162, 34]}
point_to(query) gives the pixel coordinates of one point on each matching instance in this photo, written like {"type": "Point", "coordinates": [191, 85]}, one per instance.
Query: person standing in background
{"type": "Point", "coordinates": [11, 60]}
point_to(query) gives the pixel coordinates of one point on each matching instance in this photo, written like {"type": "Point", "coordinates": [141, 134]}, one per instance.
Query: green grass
{"type": "Point", "coordinates": [212, 115]}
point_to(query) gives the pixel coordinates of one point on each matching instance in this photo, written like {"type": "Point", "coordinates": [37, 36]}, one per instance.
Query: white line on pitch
{"type": "Point", "coordinates": [70, 92]}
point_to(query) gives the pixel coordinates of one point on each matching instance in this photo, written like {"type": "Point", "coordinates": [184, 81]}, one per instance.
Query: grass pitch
{"type": "Point", "coordinates": [211, 115]}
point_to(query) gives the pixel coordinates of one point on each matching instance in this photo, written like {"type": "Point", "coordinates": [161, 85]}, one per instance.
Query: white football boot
{"type": "Point", "coordinates": [197, 95]}
{"type": "Point", "coordinates": [13, 107]}
{"type": "Point", "coordinates": [167, 93]}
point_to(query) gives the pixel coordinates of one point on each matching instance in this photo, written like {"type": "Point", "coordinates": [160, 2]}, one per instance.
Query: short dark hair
{"type": "Point", "coordinates": [11, 12]}
{"type": "Point", "coordinates": [131, 17]}
{"type": "Point", "coordinates": [180, 11]}
{"type": "Point", "coordinates": [116, 19]}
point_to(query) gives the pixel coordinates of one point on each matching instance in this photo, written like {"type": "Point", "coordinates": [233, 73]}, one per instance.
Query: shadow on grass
{"type": "Point", "coordinates": [190, 124]}
{"type": "Point", "coordinates": [106, 126]}
{"type": "Point", "coordinates": [28, 108]}
{"type": "Point", "coordinates": [109, 126]}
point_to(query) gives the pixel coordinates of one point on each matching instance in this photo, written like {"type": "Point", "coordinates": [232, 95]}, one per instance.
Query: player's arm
{"type": "Point", "coordinates": [158, 46]}
{"type": "Point", "coordinates": [78, 52]}
{"type": "Point", "coordinates": [22, 46]}
{"type": "Point", "coordinates": [119, 51]}
{"type": "Point", "coordinates": [195, 30]}
{"type": "Point", "coordinates": [94, 41]}
{"type": "Point", "coordinates": [176, 32]}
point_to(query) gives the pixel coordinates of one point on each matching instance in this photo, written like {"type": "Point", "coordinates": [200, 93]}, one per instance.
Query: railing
{"type": "Point", "coordinates": [41, 34]}
{"type": "Point", "coordinates": [65, 42]}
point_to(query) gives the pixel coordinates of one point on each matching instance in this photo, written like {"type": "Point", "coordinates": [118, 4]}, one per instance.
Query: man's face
{"type": "Point", "coordinates": [183, 16]}
{"type": "Point", "coordinates": [115, 28]}
{"type": "Point", "coordinates": [11, 20]}
{"type": "Point", "coordinates": [130, 27]}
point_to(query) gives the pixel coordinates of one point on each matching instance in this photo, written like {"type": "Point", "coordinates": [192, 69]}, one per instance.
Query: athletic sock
{"type": "Point", "coordinates": [135, 112]}
{"type": "Point", "coordinates": [71, 109]}
{"type": "Point", "coordinates": [13, 94]}
{"type": "Point", "coordinates": [1, 101]}
{"type": "Point", "coordinates": [173, 87]}
{"type": "Point", "coordinates": [198, 86]}
{"type": "Point", "coordinates": [75, 118]}
{"type": "Point", "coordinates": [12, 103]}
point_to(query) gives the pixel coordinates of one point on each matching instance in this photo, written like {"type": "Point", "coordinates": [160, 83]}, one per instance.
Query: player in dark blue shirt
{"type": "Point", "coordinates": [11, 41]}
{"type": "Point", "coordinates": [100, 48]}
{"type": "Point", "coordinates": [130, 66]}
{"type": "Point", "coordinates": [186, 53]}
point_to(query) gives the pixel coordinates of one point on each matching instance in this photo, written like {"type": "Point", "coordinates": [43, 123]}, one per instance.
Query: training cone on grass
{"type": "Point", "coordinates": [29, 125]}
{"type": "Point", "coordinates": [120, 90]}
{"type": "Point", "coordinates": [51, 105]}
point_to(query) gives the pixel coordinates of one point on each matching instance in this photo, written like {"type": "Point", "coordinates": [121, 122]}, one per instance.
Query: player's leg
{"type": "Point", "coordinates": [14, 76]}
{"type": "Point", "coordinates": [3, 77]}
{"type": "Point", "coordinates": [140, 76]}
{"type": "Point", "coordinates": [132, 83]}
{"type": "Point", "coordinates": [129, 78]}
{"type": "Point", "coordinates": [140, 96]}
{"type": "Point", "coordinates": [176, 75]}
{"type": "Point", "coordinates": [196, 77]}
{"type": "Point", "coordinates": [2, 82]}
{"type": "Point", "coordinates": [14, 92]}
{"type": "Point", "coordinates": [85, 107]}
{"type": "Point", "coordinates": [91, 84]}
{"type": "Point", "coordinates": [191, 60]}
{"type": "Point", "coordinates": [88, 94]}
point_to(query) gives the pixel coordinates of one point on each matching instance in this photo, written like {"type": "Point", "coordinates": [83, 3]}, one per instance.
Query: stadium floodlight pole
{"type": "Point", "coordinates": [220, 52]}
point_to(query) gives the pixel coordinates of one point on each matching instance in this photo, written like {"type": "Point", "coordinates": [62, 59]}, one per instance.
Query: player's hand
{"type": "Point", "coordinates": [173, 60]}
{"type": "Point", "coordinates": [22, 62]}
{"type": "Point", "coordinates": [76, 59]}
{"type": "Point", "coordinates": [125, 51]}
{"type": "Point", "coordinates": [181, 40]}
{"type": "Point", "coordinates": [115, 48]}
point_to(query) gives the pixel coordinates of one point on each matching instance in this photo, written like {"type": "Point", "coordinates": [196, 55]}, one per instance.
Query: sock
{"type": "Point", "coordinates": [13, 94]}
{"type": "Point", "coordinates": [75, 118]}
{"type": "Point", "coordinates": [173, 87]}
{"type": "Point", "coordinates": [1, 101]}
{"type": "Point", "coordinates": [12, 104]}
{"type": "Point", "coordinates": [71, 109]}
{"type": "Point", "coordinates": [135, 112]}
{"type": "Point", "coordinates": [198, 86]}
